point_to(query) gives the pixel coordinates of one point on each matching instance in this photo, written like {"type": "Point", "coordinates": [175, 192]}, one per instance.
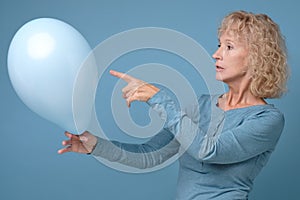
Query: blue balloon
{"type": "Point", "coordinates": [44, 59]}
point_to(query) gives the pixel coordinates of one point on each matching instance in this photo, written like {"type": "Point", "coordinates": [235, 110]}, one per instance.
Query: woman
{"type": "Point", "coordinates": [235, 133]}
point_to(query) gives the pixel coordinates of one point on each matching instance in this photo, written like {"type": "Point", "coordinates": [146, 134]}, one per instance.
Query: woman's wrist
{"type": "Point", "coordinates": [92, 149]}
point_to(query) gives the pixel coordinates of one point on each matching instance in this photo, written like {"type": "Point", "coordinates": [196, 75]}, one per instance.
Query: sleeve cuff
{"type": "Point", "coordinates": [157, 98]}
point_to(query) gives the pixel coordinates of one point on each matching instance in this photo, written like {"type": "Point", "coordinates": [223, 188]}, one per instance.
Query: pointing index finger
{"type": "Point", "coordinates": [121, 75]}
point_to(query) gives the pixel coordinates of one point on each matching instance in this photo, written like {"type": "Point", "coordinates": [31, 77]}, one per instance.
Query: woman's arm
{"type": "Point", "coordinates": [157, 150]}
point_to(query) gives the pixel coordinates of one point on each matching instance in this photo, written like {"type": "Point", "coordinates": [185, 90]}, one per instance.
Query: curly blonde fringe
{"type": "Point", "coordinates": [267, 51]}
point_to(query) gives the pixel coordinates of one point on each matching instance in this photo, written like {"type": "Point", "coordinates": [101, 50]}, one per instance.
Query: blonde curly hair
{"type": "Point", "coordinates": [267, 51]}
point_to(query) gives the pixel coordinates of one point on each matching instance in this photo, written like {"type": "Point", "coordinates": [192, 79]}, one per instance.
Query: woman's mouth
{"type": "Point", "coordinates": [219, 68]}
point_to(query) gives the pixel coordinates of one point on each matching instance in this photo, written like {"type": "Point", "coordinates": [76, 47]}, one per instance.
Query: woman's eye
{"type": "Point", "coordinates": [219, 45]}
{"type": "Point", "coordinates": [229, 47]}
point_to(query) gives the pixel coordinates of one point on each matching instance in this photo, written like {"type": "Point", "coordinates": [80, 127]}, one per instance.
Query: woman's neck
{"type": "Point", "coordinates": [239, 99]}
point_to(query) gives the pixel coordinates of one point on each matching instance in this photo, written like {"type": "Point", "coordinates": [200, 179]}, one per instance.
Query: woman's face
{"type": "Point", "coordinates": [231, 59]}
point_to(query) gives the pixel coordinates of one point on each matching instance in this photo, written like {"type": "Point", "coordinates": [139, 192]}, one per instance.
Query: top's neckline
{"type": "Point", "coordinates": [216, 103]}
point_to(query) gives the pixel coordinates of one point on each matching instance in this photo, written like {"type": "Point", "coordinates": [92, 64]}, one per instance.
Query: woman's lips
{"type": "Point", "coordinates": [219, 69]}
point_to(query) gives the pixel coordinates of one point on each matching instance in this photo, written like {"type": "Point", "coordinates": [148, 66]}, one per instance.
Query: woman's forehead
{"type": "Point", "coordinates": [233, 35]}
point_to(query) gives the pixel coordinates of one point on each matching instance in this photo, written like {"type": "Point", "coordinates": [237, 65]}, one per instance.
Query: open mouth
{"type": "Point", "coordinates": [218, 68]}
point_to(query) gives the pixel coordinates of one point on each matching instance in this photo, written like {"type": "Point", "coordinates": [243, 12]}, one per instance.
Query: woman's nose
{"type": "Point", "coordinates": [217, 54]}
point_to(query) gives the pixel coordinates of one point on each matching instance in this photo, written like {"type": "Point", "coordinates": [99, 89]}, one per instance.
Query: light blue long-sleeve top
{"type": "Point", "coordinates": [222, 151]}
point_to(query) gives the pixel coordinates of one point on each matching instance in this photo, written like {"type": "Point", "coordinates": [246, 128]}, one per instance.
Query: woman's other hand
{"type": "Point", "coordinates": [83, 143]}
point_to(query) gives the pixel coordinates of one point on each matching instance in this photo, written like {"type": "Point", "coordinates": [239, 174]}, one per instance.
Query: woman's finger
{"type": "Point", "coordinates": [121, 75]}
{"type": "Point", "coordinates": [132, 87]}
{"type": "Point", "coordinates": [129, 100]}
{"type": "Point", "coordinates": [69, 135]}
{"type": "Point", "coordinates": [126, 89]}
{"type": "Point", "coordinates": [64, 150]}
{"type": "Point", "coordinates": [72, 136]}
{"type": "Point", "coordinates": [129, 92]}
{"type": "Point", "coordinates": [66, 142]}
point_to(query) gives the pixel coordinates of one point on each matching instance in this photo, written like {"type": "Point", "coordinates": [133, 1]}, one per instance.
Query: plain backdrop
{"type": "Point", "coordinates": [30, 167]}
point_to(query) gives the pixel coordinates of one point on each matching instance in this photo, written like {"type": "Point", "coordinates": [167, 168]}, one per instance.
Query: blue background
{"type": "Point", "coordinates": [30, 168]}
